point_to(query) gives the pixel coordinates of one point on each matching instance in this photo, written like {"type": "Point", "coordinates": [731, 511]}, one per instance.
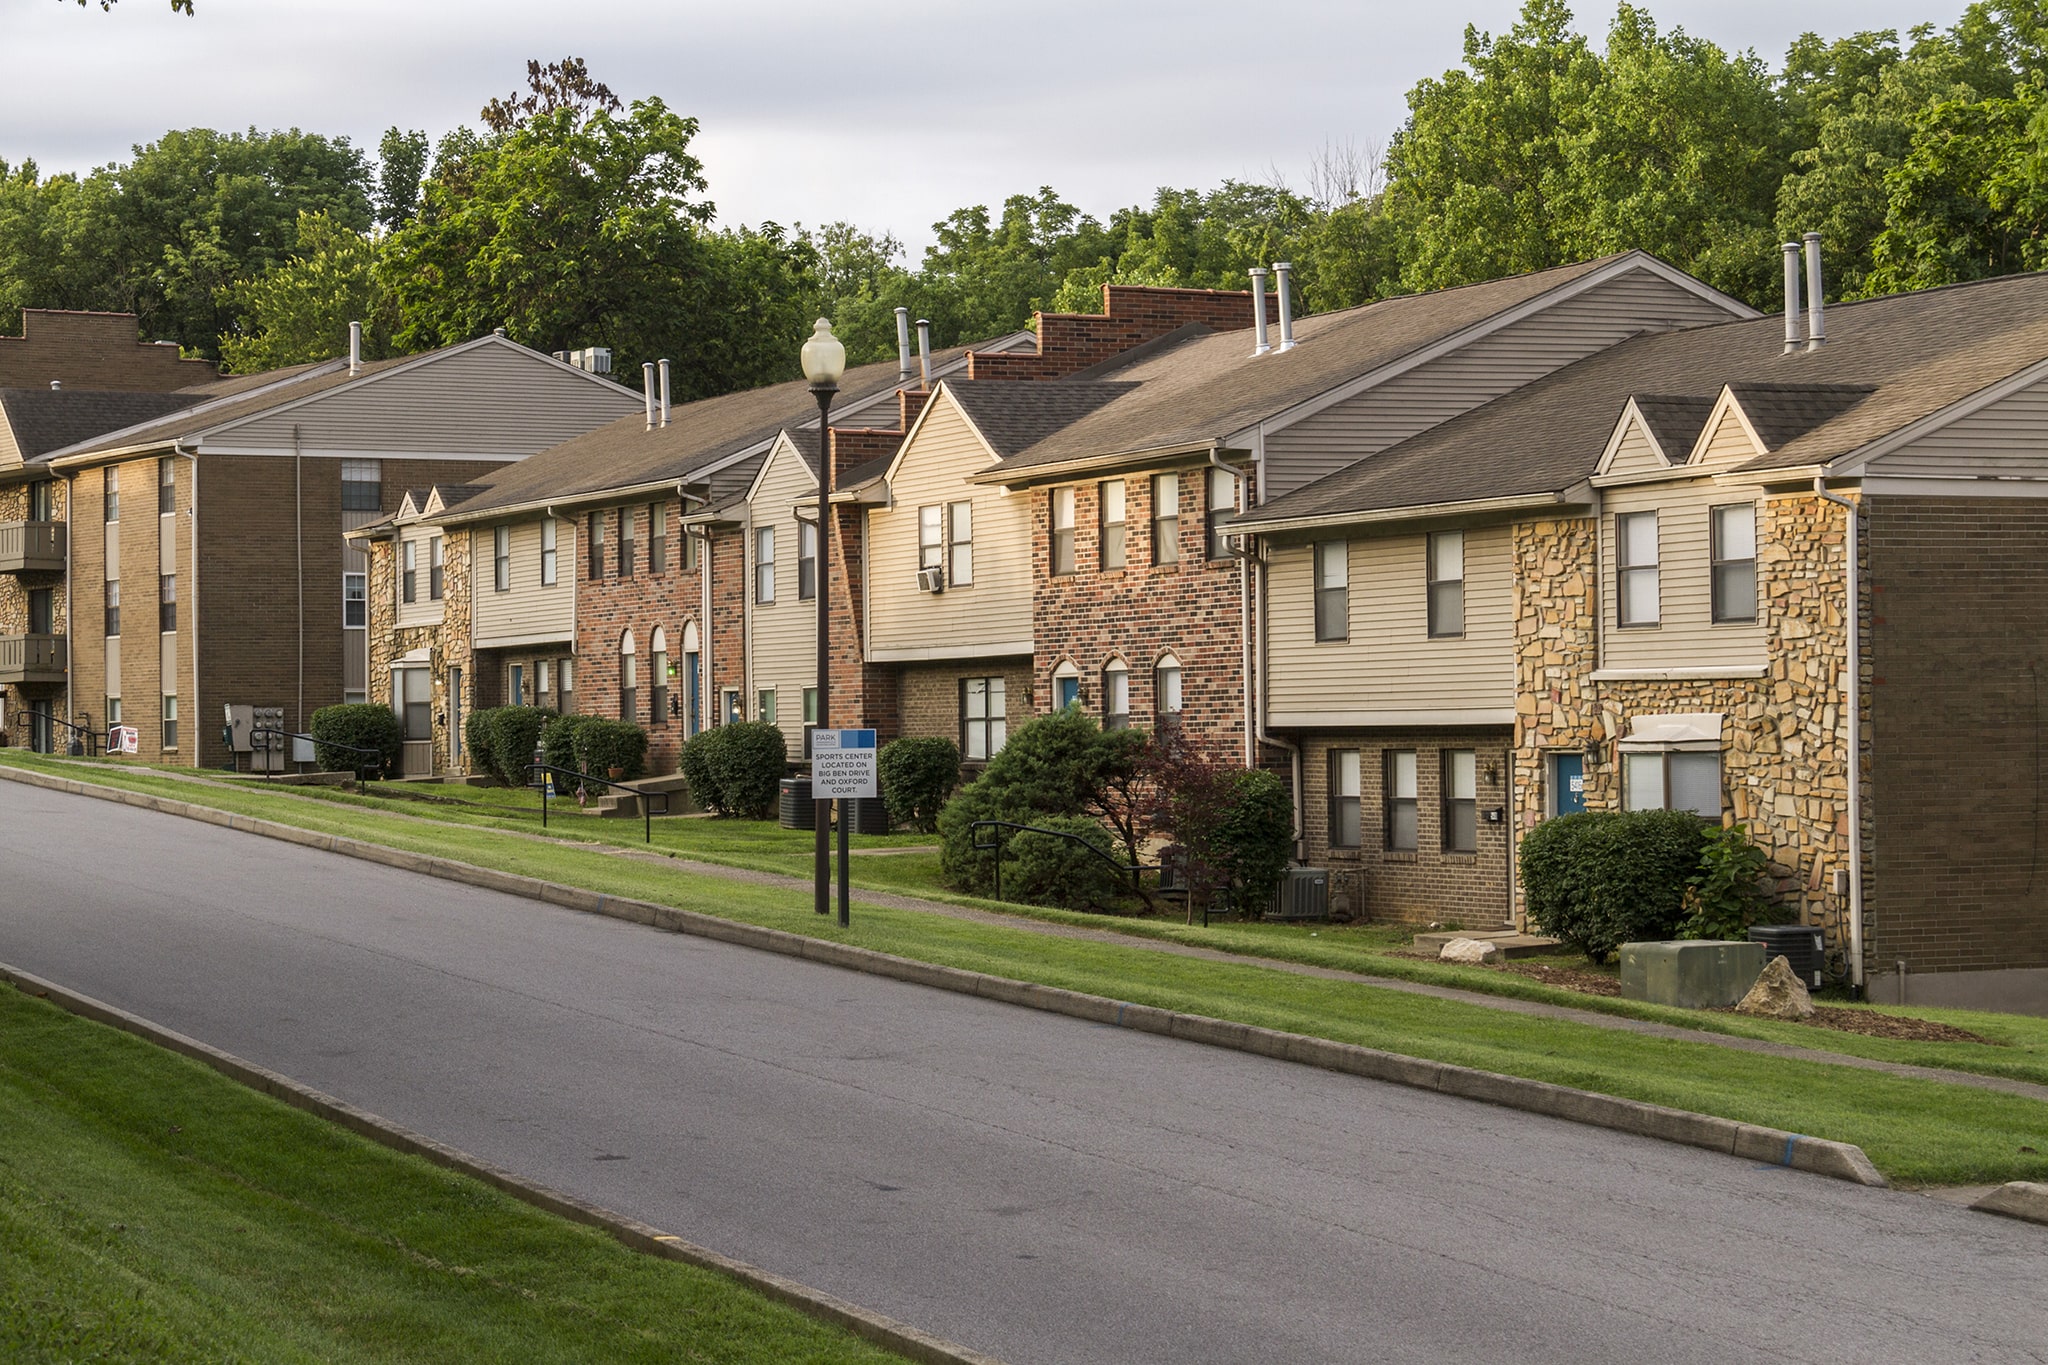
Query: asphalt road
{"type": "Point", "coordinates": [1039, 1188]}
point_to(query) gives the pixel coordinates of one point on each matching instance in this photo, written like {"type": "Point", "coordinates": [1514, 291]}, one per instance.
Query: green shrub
{"type": "Point", "coordinates": [558, 740]}
{"type": "Point", "coordinates": [364, 725]}
{"type": "Point", "coordinates": [1599, 879]}
{"type": "Point", "coordinates": [1254, 839]}
{"type": "Point", "coordinates": [502, 740]}
{"type": "Point", "coordinates": [737, 769]}
{"type": "Point", "coordinates": [476, 742]}
{"type": "Point", "coordinates": [1726, 895]}
{"type": "Point", "coordinates": [602, 745]}
{"type": "Point", "coordinates": [1043, 869]}
{"type": "Point", "coordinates": [917, 776]}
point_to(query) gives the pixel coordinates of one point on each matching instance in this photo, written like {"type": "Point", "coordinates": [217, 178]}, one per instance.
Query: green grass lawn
{"type": "Point", "coordinates": [1918, 1132]}
{"type": "Point", "coordinates": [152, 1210]}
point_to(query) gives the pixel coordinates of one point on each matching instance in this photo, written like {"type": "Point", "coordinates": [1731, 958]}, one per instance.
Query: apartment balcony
{"type": "Point", "coordinates": [31, 659]}
{"type": "Point", "coordinates": [31, 547]}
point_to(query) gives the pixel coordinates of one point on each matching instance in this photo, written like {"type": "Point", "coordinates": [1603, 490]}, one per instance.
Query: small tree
{"type": "Point", "coordinates": [1726, 895]}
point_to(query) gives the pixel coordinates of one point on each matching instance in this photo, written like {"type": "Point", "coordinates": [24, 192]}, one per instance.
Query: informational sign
{"type": "Point", "coordinates": [843, 765]}
{"type": "Point", "coordinates": [124, 739]}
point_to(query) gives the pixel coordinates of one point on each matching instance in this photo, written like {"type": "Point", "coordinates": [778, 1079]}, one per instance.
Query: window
{"type": "Point", "coordinates": [355, 600]}
{"type": "Point", "coordinates": [517, 678]}
{"type": "Point", "coordinates": [1116, 695]}
{"type": "Point", "coordinates": [1734, 562]}
{"type": "Point", "coordinates": [1112, 512]}
{"type": "Point", "coordinates": [625, 542]}
{"type": "Point", "coordinates": [1333, 589]}
{"type": "Point", "coordinates": [729, 706]}
{"type": "Point", "coordinates": [1062, 511]}
{"type": "Point", "coordinates": [565, 680]}
{"type": "Point", "coordinates": [113, 711]}
{"type": "Point", "coordinates": [764, 564]}
{"type": "Point", "coordinates": [1461, 801]}
{"type": "Point", "coordinates": [543, 683]}
{"type": "Point", "coordinates": [984, 723]}
{"type": "Point", "coordinates": [42, 612]}
{"type": "Point", "coordinates": [1446, 584]}
{"type": "Point", "coordinates": [931, 537]}
{"type": "Point", "coordinates": [807, 561]}
{"type": "Point", "coordinates": [687, 554]}
{"type": "Point", "coordinates": [693, 713]}
{"type": "Point", "coordinates": [810, 706]}
{"type": "Point", "coordinates": [113, 606]}
{"type": "Point", "coordinates": [596, 546]}
{"type": "Point", "coordinates": [1166, 689]}
{"type": "Point", "coordinates": [657, 714]}
{"type": "Point", "coordinates": [170, 720]}
{"type": "Point", "coordinates": [657, 537]}
{"type": "Point", "coordinates": [629, 680]}
{"type": "Point", "coordinates": [764, 705]}
{"type": "Point", "coordinates": [42, 501]}
{"type": "Point", "coordinates": [362, 486]}
{"type": "Point", "coordinates": [415, 690]}
{"type": "Point", "coordinates": [1635, 543]}
{"type": "Point", "coordinates": [167, 602]}
{"type": "Point", "coordinates": [1345, 828]}
{"type": "Point", "coordinates": [1400, 789]}
{"type": "Point", "coordinates": [1166, 518]}
{"type": "Point", "coordinates": [501, 558]}
{"type": "Point", "coordinates": [1672, 779]}
{"type": "Point", "coordinates": [1066, 686]}
{"type": "Point", "coordinates": [455, 700]}
{"type": "Point", "coordinates": [410, 578]}
{"type": "Point", "coordinates": [111, 498]}
{"type": "Point", "coordinates": [548, 563]}
{"type": "Point", "coordinates": [167, 485]}
{"type": "Point", "coordinates": [437, 568]}
{"type": "Point", "coordinates": [1222, 503]}
{"type": "Point", "coordinates": [960, 544]}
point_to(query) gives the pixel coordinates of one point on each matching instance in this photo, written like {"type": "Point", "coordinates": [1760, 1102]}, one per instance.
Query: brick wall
{"type": "Point", "coordinates": [607, 607]}
{"type": "Point", "coordinates": [92, 351]}
{"type": "Point", "coordinates": [1958, 674]}
{"type": "Point", "coordinates": [929, 694]}
{"type": "Point", "coordinates": [1131, 316]}
{"type": "Point", "coordinates": [856, 446]}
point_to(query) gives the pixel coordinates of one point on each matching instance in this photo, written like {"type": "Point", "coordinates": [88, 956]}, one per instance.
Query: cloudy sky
{"type": "Point", "coordinates": [887, 115]}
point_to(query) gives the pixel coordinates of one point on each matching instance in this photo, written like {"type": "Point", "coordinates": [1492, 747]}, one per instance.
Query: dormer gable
{"type": "Point", "coordinates": [1753, 420]}
{"type": "Point", "coordinates": [1654, 435]}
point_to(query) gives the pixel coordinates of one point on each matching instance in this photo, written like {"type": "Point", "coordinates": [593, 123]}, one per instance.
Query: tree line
{"type": "Point", "coordinates": [572, 218]}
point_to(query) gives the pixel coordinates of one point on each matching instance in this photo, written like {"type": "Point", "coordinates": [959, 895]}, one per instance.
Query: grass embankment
{"type": "Point", "coordinates": [152, 1210]}
{"type": "Point", "coordinates": [1918, 1132]}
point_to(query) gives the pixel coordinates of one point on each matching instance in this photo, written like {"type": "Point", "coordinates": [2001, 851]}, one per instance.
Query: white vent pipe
{"type": "Point", "coordinates": [1792, 335]}
{"type": "Point", "coordinates": [664, 393]}
{"type": "Point", "coordinates": [902, 345]}
{"type": "Point", "coordinates": [355, 349]}
{"type": "Point", "coordinates": [1816, 325]}
{"type": "Point", "coordinates": [647, 389]}
{"type": "Point", "coordinates": [924, 351]}
{"type": "Point", "coordinates": [1259, 343]}
{"type": "Point", "coordinates": [1282, 272]}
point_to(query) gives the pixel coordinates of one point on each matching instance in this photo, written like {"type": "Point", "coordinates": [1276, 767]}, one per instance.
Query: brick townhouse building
{"type": "Point", "coordinates": [95, 352]}
{"type": "Point", "coordinates": [1795, 586]}
{"type": "Point", "coordinates": [204, 556]}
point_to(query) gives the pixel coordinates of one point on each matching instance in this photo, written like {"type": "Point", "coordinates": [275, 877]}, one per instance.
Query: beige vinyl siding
{"type": "Point", "coordinates": [497, 400]}
{"type": "Point", "coordinates": [529, 613]}
{"type": "Point", "coordinates": [1729, 444]}
{"type": "Point", "coordinates": [1477, 373]}
{"type": "Point", "coordinates": [2006, 437]}
{"type": "Point", "coordinates": [1390, 671]}
{"type": "Point", "coordinates": [783, 643]}
{"type": "Point", "coordinates": [995, 612]}
{"type": "Point", "coordinates": [1685, 638]}
{"type": "Point", "coordinates": [423, 610]}
{"type": "Point", "coordinates": [1636, 453]}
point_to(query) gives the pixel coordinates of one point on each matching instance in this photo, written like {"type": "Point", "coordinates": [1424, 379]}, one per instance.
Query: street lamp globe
{"type": "Point", "coordinates": [824, 357]}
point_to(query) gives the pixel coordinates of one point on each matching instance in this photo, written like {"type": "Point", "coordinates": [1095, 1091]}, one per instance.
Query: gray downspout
{"type": "Point", "coordinates": [1854, 706]}
{"type": "Point", "coordinates": [192, 592]}
{"type": "Point", "coordinates": [1259, 712]}
{"type": "Point", "coordinates": [299, 541]}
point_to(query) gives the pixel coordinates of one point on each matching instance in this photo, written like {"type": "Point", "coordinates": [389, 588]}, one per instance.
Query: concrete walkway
{"type": "Point", "coordinates": [893, 901]}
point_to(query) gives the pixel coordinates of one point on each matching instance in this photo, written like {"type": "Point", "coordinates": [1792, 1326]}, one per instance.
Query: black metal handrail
{"type": "Point", "coordinates": [647, 811]}
{"type": "Point", "coordinates": [1132, 870]}
{"type": "Point", "coordinates": [91, 735]}
{"type": "Point", "coordinates": [318, 744]}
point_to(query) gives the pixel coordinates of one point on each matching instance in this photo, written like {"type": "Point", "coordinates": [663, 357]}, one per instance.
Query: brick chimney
{"type": "Point", "coordinates": [1132, 315]}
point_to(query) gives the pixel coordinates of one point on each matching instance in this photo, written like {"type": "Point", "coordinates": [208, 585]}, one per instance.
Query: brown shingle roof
{"type": "Point", "coordinates": [43, 420]}
{"type": "Point", "coordinates": [1015, 415]}
{"type": "Point", "coordinates": [1889, 362]}
{"type": "Point", "coordinates": [1676, 420]}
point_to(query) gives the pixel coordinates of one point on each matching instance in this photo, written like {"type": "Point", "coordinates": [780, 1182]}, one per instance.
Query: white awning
{"type": "Point", "coordinates": [414, 658]}
{"type": "Point", "coordinates": [1693, 730]}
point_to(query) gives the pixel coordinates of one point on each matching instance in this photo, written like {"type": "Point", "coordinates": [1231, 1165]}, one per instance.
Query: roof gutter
{"type": "Point", "coordinates": [468, 516]}
{"type": "Point", "coordinates": [1061, 470]}
{"type": "Point", "coordinates": [1853, 686]}
{"type": "Point", "coordinates": [1578, 493]}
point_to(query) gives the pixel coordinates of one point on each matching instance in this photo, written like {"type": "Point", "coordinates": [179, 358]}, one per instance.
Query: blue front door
{"type": "Point", "coordinates": [1568, 778]}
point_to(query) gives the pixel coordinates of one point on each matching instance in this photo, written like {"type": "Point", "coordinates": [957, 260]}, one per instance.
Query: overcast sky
{"type": "Point", "coordinates": [887, 115]}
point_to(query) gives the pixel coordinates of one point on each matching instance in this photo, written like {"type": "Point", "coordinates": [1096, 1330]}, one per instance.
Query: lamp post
{"type": "Point", "coordinates": [824, 360]}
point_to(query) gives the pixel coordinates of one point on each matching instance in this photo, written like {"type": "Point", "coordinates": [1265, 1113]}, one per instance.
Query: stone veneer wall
{"type": "Point", "coordinates": [447, 642]}
{"type": "Point", "coordinates": [1784, 768]}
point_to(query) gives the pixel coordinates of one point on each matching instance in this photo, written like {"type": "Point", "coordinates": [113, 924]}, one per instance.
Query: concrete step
{"type": "Point", "coordinates": [1511, 942]}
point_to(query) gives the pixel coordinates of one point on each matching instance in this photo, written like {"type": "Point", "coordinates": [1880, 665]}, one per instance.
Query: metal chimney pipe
{"type": "Point", "coordinates": [1792, 336]}
{"type": "Point", "coordinates": [902, 345]}
{"type": "Point", "coordinates": [647, 389]}
{"type": "Point", "coordinates": [355, 349]}
{"type": "Point", "coordinates": [1816, 325]}
{"type": "Point", "coordinates": [1282, 271]}
{"type": "Point", "coordinates": [1259, 343]}
{"type": "Point", "coordinates": [924, 352]}
{"type": "Point", "coordinates": [664, 393]}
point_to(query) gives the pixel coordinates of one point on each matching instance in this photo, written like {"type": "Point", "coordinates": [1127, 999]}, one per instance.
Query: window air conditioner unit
{"type": "Point", "coordinates": [931, 580]}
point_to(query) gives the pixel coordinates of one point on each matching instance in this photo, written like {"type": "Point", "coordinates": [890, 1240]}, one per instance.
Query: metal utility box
{"type": "Point", "coordinates": [796, 810]}
{"type": "Point", "coordinates": [1695, 975]}
{"type": "Point", "coordinates": [1304, 894]}
{"type": "Point", "coordinates": [1801, 945]}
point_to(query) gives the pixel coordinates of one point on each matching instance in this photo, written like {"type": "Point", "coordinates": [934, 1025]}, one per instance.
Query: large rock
{"type": "Point", "coordinates": [1778, 993]}
{"type": "Point", "coordinates": [1469, 950]}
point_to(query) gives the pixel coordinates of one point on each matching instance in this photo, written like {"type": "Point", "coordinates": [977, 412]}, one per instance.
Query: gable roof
{"type": "Point", "coordinates": [43, 420]}
{"type": "Point", "coordinates": [1888, 362]}
{"type": "Point", "coordinates": [1675, 421]}
{"type": "Point", "coordinates": [1016, 415]}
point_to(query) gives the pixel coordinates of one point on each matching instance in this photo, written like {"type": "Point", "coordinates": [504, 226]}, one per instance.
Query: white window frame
{"type": "Point", "coordinates": [959, 544]}
{"type": "Point", "coordinates": [550, 558]}
{"type": "Point", "coordinates": [1060, 517]}
{"type": "Point", "coordinates": [1113, 548]}
{"type": "Point", "coordinates": [1629, 571]}
{"type": "Point", "coordinates": [1445, 553]}
{"type": "Point", "coordinates": [1723, 566]}
{"type": "Point", "coordinates": [1330, 565]}
{"type": "Point", "coordinates": [764, 566]}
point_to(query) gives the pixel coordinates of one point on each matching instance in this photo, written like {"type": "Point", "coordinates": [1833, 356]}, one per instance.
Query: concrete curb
{"type": "Point", "coordinates": [1820, 1156]}
{"type": "Point", "coordinates": [886, 1332]}
{"type": "Point", "coordinates": [2017, 1199]}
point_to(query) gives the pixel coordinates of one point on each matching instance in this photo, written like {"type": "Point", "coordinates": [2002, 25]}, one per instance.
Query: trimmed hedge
{"type": "Point", "coordinates": [502, 740]}
{"type": "Point", "coordinates": [558, 740]}
{"type": "Point", "coordinates": [1255, 839]}
{"type": "Point", "coordinates": [1600, 879]}
{"type": "Point", "coordinates": [917, 777]}
{"type": "Point", "coordinates": [602, 745]}
{"type": "Point", "coordinates": [1044, 869]}
{"type": "Point", "coordinates": [365, 725]}
{"type": "Point", "coordinates": [476, 742]}
{"type": "Point", "coordinates": [737, 769]}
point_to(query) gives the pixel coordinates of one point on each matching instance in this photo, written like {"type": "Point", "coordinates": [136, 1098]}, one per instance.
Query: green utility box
{"type": "Point", "coordinates": [1695, 975]}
